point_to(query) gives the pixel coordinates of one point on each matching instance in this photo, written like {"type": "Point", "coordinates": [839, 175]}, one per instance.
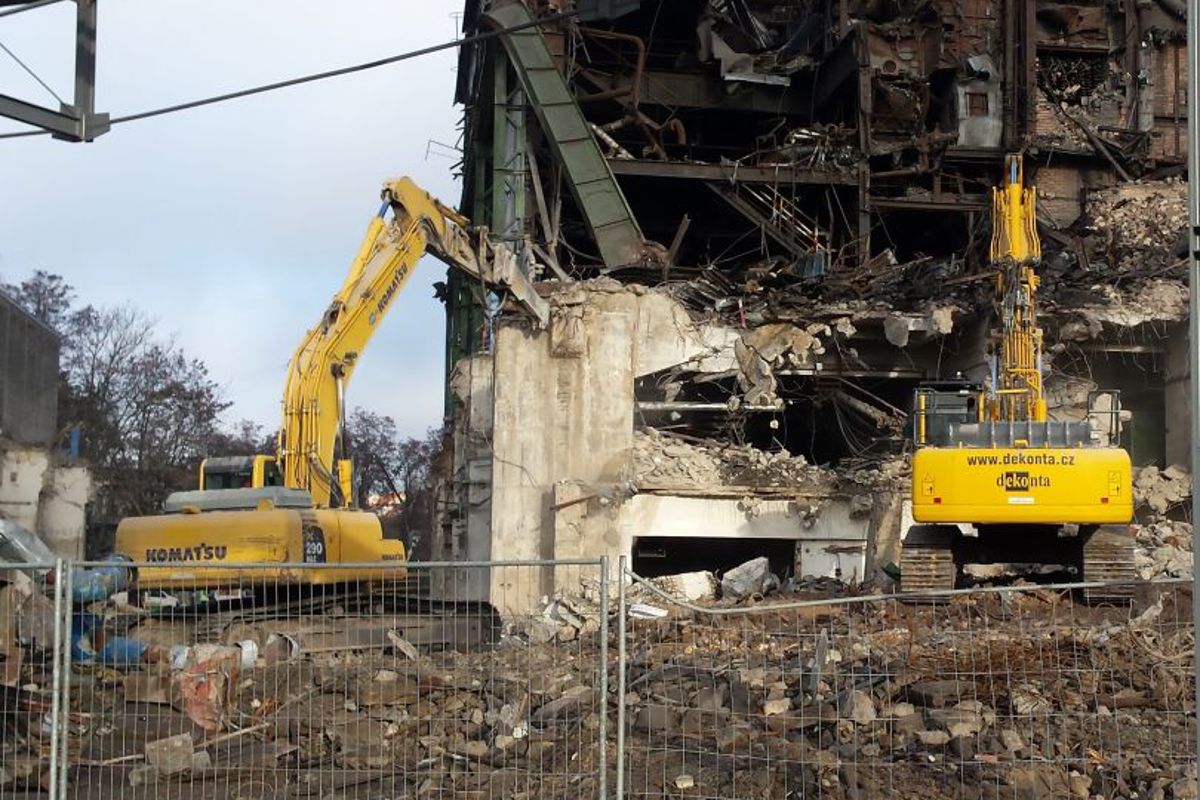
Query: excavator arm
{"type": "Point", "coordinates": [314, 397]}
{"type": "Point", "coordinates": [1017, 392]}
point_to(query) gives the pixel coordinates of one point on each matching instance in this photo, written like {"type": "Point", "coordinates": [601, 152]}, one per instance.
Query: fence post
{"type": "Point", "coordinates": [621, 613]}
{"type": "Point", "coordinates": [56, 763]}
{"type": "Point", "coordinates": [64, 769]}
{"type": "Point", "coordinates": [603, 754]}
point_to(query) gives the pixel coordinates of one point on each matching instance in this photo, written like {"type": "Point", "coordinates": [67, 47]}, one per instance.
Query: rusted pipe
{"type": "Point", "coordinates": [635, 91]}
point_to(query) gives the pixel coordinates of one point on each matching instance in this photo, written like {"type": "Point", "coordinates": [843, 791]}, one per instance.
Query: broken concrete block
{"type": "Point", "coordinates": [172, 755]}
{"type": "Point", "coordinates": [957, 721]}
{"type": "Point", "coordinates": [566, 705]}
{"type": "Point", "coordinates": [933, 738]}
{"type": "Point", "coordinates": [656, 719]}
{"type": "Point", "coordinates": [772, 707]}
{"type": "Point", "coordinates": [752, 577]}
{"type": "Point", "coordinates": [141, 776]}
{"type": "Point", "coordinates": [896, 329]}
{"type": "Point", "coordinates": [1011, 740]}
{"type": "Point", "coordinates": [688, 586]}
{"type": "Point", "coordinates": [860, 708]}
{"type": "Point", "coordinates": [541, 630]}
{"type": "Point", "coordinates": [963, 747]}
{"type": "Point", "coordinates": [938, 694]}
{"type": "Point", "coordinates": [710, 698]}
{"type": "Point", "coordinates": [201, 761]}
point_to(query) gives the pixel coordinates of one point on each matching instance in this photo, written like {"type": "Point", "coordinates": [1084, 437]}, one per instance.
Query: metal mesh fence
{"type": "Point", "coordinates": [30, 666]}
{"type": "Point", "coordinates": [261, 682]}
{"type": "Point", "coordinates": [256, 682]}
{"type": "Point", "coordinates": [1021, 692]}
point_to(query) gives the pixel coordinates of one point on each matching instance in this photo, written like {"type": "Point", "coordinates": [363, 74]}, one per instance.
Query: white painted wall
{"type": "Point", "coordinates": [832, 543]}
{"type": "Point", "coordinates": [62, 520]}
{"type": "Point", "coordinates": [22, 476]}
{"type": "Point", "coordinates": [46, 498]}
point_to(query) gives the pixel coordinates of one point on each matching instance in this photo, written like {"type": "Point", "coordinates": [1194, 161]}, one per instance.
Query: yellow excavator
{"type": "Point", "coordinates": [994, 480]}
{"type": "Point", "coordinates": [297, 506]}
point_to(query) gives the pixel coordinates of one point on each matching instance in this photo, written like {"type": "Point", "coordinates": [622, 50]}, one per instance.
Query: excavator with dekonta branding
{"type": "Point", "coordinates": [994, 478]}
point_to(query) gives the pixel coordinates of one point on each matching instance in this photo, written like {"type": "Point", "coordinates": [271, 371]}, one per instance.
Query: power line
{"type": "Point", "coordinates": [319, 76]}
{"type": "Point", "coordinates": [32, 74]}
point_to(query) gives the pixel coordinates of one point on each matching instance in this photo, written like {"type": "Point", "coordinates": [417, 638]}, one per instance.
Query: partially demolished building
{"type": "Point", "coordinates": [760, 223]}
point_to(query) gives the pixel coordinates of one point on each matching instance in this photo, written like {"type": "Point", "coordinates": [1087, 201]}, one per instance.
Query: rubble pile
{"type": "Point", "coordinates": [985, 697]}
{"type": "Point", "coordinates": [324, 721]}
{"type": "Point", "coordinates": [1163, 549]}
{"type": "Point", "coordinates": [1162, 500]}
{"type": "Point", "coordinates": [1161, 491]}
{"type": "Point", "coordinates": [1136, 227]}
{"type": "Point", "coordinates": [663, 460]}
{"type": "Point", "coordinates": [1123, 267]}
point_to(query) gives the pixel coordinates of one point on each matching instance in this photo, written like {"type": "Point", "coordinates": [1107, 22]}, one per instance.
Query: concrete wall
{"type": "Point", "coordinates": [28, 376]}
{"type": "Point", "coordinates": [22, 476]}
{"type": "Point", "coordinates": [551, 405]}
{"type": "Point", "coordinates": [831, 542]}
{"type": "Point", "coordinates": [47, 498]}
{"type": "Point", "coordinates": [1178, 409]}
{"type": "Point", "coordinates": [543, 449]}
{"type": "Point", "coordinates": [62, 512]}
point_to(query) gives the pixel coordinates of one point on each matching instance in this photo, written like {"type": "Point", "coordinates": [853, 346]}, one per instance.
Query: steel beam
{"type": "Point", "coordinates": [1193, 104]}
{"type": "Point", "coordinates": [687, 170]}
{"type": "Point", "coordinates": [53, 121]}
{"type": "Point", "coordinates": [79, 121]}
{"type": "Point", "coordinates": [695, 90]}
{"type": "Point", "coordinates": [605, 210]}
{"type": "Point", "coordinates": [961, 203]}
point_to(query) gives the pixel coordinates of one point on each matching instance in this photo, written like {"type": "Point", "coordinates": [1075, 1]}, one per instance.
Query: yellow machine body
{"type": "Point", "coordinates": [192, 546]}
{"type": "Point", "coordinates": [1080, 485]}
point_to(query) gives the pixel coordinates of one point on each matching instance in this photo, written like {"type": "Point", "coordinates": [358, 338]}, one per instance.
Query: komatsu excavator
{"type": "Point", "coordinates": [993, 478]}
{"type": "Point", "coordinates": [297, 506]}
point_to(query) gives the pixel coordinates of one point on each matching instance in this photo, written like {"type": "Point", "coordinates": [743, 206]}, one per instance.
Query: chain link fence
{"type": "Point", "coordinates": [368, 681]}
{"type": "Point", "coordinates": [32, 624]}
{"type": "Point", "coordinates": [1017, 692]}
{"type": "Point", "coordinates": [300, 681]}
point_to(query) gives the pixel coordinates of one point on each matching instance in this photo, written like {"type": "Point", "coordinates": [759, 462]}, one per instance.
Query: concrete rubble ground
{"type": "Point", "coordinates": [1023, 695]}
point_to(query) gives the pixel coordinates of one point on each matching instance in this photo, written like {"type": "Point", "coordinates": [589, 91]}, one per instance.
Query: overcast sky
{"type": "Point", "coordinates": [232, 225]}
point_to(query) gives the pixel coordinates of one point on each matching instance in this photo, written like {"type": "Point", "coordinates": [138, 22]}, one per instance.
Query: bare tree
{"type": "Point", "coordinates": [44, 295]}
{"type": "Point", "coordinates": [245, 438]}
{"type": "Point", "coordinates": [146, 410]}
{"type": "Point", "coordinates": [394, 469]}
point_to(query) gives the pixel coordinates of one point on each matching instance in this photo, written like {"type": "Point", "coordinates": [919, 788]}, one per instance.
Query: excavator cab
{"type": "Point", "coordinates": [239, 472]}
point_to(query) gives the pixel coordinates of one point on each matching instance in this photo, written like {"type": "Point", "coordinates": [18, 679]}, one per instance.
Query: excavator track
{"type": "Point", "coordinates": [1108, 556]}
{"type": "Point", "coordinates": [927, 559]}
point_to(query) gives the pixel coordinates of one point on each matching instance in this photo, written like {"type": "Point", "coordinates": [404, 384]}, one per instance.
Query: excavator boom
{"type": "Point", "coordinates": [292, 507]}
{"type": "Point", "coordinates": [314, 402]}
